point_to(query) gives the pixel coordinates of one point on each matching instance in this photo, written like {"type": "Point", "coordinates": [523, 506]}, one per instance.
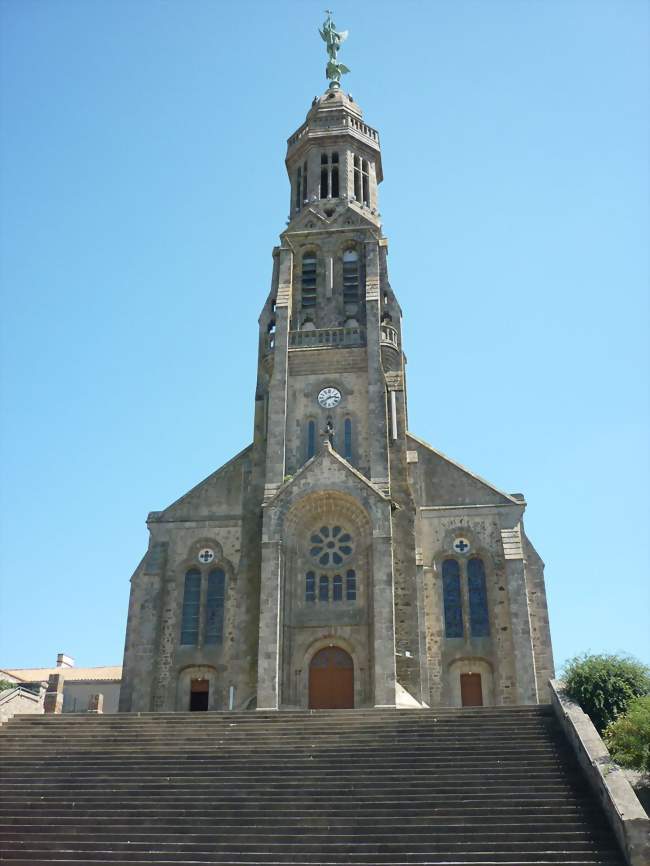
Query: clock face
{"type": "Point", "coordinates": [329, 398]}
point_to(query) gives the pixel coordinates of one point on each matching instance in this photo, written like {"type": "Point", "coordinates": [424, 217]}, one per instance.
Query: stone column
{"type": "Point", "coordinates": [377, 422]}
{"type": "Point", "coordinates": [383, 618]}
{"type": "Point", "coordinates": [268, 663]}
{"type": "Point", "coordinates": [277, 415]}
{"type": "Point", "coordinates": [522, 639]}
{"type": "Point", "coordinates": [96, 703]}
{"type": "Point", "coordinates": [53, 702]}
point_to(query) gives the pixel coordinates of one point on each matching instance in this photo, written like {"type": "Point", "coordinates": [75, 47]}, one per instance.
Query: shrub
{"type": "Point", "coordinates": [604, 685]}
{"type": "Point", "coordinates": [628, 738]}
{"type": "Point", "coordinates": [7, 684]}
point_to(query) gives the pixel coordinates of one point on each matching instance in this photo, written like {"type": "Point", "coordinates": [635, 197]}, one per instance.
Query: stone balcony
{"type": "Point", "coordinates": [324, 338]}
{"type": "Point", "coordinates": [389, 336]}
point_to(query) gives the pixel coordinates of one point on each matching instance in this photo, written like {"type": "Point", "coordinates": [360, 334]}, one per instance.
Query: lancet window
{"type": "Point", "coordinates": [329, 175]}
{"type": "Point", "coordinates": [453, 576]}
{"type": "Point", "coordinates": [478, 609]}
{"type": "Point", "coordinates": [350, 277]}
{"type": "Point", "coordinates": [301, 186]}
{"type": "Point", "coordinates": [453, 606]}
{"type": "Point", "coordinates": [191, 607]}
{"type": "Point", "coordinates": [309, 280]}
{"type": "Point", "coordinates": [311, 439]}
{"type": "Point", "coordinates": [331, 587]}
{"type": "Point", "coordinates": [212, 602]}
{"type": "Point", "coordinates": [347, 439]}
{"type": "Point", "coordinates": [361, 180]}
{"type": "Point", "coordinates": [214, 606]}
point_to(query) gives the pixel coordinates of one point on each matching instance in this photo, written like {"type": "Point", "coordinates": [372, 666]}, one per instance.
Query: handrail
{"type": "Point", "coordinates": [7, 694]}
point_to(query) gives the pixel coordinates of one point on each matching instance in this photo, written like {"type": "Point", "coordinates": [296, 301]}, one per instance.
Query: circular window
{"type": "Point", "coordinates": [330, 545]}
{"type": "Point", "coordinates": [206, 555]}
{"type": "Point", "coordinates": [461, 545]}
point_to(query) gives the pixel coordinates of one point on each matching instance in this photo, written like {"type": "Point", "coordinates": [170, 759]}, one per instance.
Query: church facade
{"type": "Point", "coordinates": [339, 560]}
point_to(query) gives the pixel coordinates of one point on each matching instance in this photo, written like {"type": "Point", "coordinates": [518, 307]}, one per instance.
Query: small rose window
{"type": "Point", "coordinates": [330, 545]}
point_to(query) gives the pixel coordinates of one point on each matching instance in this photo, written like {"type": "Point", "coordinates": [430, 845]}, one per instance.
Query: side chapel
{"type": "Point", "coordinates": [339, 560]}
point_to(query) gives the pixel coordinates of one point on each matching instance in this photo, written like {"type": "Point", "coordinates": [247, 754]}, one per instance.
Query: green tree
{"type": "Point", "coordinates": [7, 684]}
{"type": "Point", "coordinates": [628, 738]}
{"type": "Point", "coordinates": [604, 685]}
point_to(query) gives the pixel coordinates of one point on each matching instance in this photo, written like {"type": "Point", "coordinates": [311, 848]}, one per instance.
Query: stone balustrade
{"type": "Point", "coordinates": [327, 338]}
{"type": "Point", "coordinates": [389, 336]}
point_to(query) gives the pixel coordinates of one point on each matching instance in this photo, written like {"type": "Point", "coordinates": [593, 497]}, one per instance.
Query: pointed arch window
{"type": "Point", "coordinates": [298, 200]}
{"type": "Point", "coordinates": [334, 176]}
{"type": "Point", "coordinates": [214, 606]}
{"type": "Point", "coordinates": [310, 586]}
{"type": "Point", "coordinates": [191, 608]}
{"type": "Point", "coordinates": [308, 280]}
{"type": "Point", "coordinates": [324, 588]}
{"type": "Point", "coordinates": [350, 277]}
{"type": "Point", "coordinates": [351, 585]}
{"type": "Point", "coordinates": [365, 181]}
{"type": "Point", "coordinates": [347, 439]}
{"type": "Point", "coordinates": [311, 439]}
{"type": "Point", "coordinates": [329, 175]}
{"type": "Point", "coordinates": [361, 180]}
{"type": "Point", "coordinates": [452, 598]}
{"type": "Point", "coordinates": [479, 620]}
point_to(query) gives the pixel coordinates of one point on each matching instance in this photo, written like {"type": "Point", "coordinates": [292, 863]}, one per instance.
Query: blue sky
{"type": "Point", "coordinates": [142, 191]}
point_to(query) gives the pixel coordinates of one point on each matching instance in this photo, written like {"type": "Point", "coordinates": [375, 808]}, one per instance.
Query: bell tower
{"type": "Point", "coordinates": [330, 291]}
{"type": "Point", "coordinates": [331, 366]}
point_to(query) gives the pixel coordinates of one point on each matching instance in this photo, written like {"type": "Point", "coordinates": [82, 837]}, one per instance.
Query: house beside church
{"type": "Point", "coordinates": [339, 560]}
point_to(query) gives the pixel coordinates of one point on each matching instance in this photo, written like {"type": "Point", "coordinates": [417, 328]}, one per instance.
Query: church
{"type": "Point", "coordinates": [338, 561]}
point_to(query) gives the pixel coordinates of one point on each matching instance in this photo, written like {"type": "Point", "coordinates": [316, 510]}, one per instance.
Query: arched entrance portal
{"type": "Point", "coordinates": [331, 680]}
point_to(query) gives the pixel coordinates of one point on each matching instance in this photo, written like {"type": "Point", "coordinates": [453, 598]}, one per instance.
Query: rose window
{"type": "Point", "coordinates": [330, 545]}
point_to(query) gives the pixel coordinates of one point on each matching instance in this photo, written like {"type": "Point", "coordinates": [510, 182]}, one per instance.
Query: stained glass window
{"type": "Point", "coordinates": [452, 599]}
{"type": "Point", "coordinates": [478, 610]}
{"type": "Point", "coordinates": [191, 605]}
{"type": "Point", "coordinates": [324, 588]}
{"type": "Point", "coordinates": [214, 606]}
{"type": "Point", "coordinates": [351, 586]}
{"type": "Point", "coordinates": [310, 586]}
{"type": "Point", "coordinates": [337, 588]}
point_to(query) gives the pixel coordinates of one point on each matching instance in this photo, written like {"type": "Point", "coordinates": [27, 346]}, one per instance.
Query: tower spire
{"type": "Point", "coordinates": [333, 39]}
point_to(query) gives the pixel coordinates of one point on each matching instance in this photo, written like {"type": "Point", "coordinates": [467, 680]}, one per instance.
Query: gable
{"type": "Point", "coordinates": [327, 470]}
{"type": "Point", "coordinates": [218, 495]}
{"type": "Point", "coordinates": [442, 481]}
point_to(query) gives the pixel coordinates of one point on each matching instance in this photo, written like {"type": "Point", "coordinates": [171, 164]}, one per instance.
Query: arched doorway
{"type": "Point", "coordinates": [331, 680]}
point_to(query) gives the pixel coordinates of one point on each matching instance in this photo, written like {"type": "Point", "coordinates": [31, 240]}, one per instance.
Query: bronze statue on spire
{"type": "Point", "coordinates": [333, 39]}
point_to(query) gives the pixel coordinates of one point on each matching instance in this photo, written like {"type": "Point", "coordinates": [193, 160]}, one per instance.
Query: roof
{"type": "Point", "coordinates": [103, 674]}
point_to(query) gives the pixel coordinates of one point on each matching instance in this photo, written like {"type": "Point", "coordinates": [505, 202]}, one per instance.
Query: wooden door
{"type": "Point", "coordinates": [471, 693]}
{"type": "Point", "coordinates": [199, 694]}
{"type": "Point", "coordinates": [331, 680]}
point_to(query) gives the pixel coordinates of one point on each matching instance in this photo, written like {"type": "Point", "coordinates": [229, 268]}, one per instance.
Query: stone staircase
{"type": "Point", "coordinates": [445, 786]}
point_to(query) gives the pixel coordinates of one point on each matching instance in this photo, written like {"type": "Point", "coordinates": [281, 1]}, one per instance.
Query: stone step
{"type": "Point", "coordinates": [361, 788]}
{"type": "Point", "coordinates": [323, 845]}
{"type": "Point", "coordinates": [485, 858]}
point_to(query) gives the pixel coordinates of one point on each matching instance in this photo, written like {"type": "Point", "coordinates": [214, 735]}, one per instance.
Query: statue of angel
{"type": "Point", "coordinates": [333, 39]}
